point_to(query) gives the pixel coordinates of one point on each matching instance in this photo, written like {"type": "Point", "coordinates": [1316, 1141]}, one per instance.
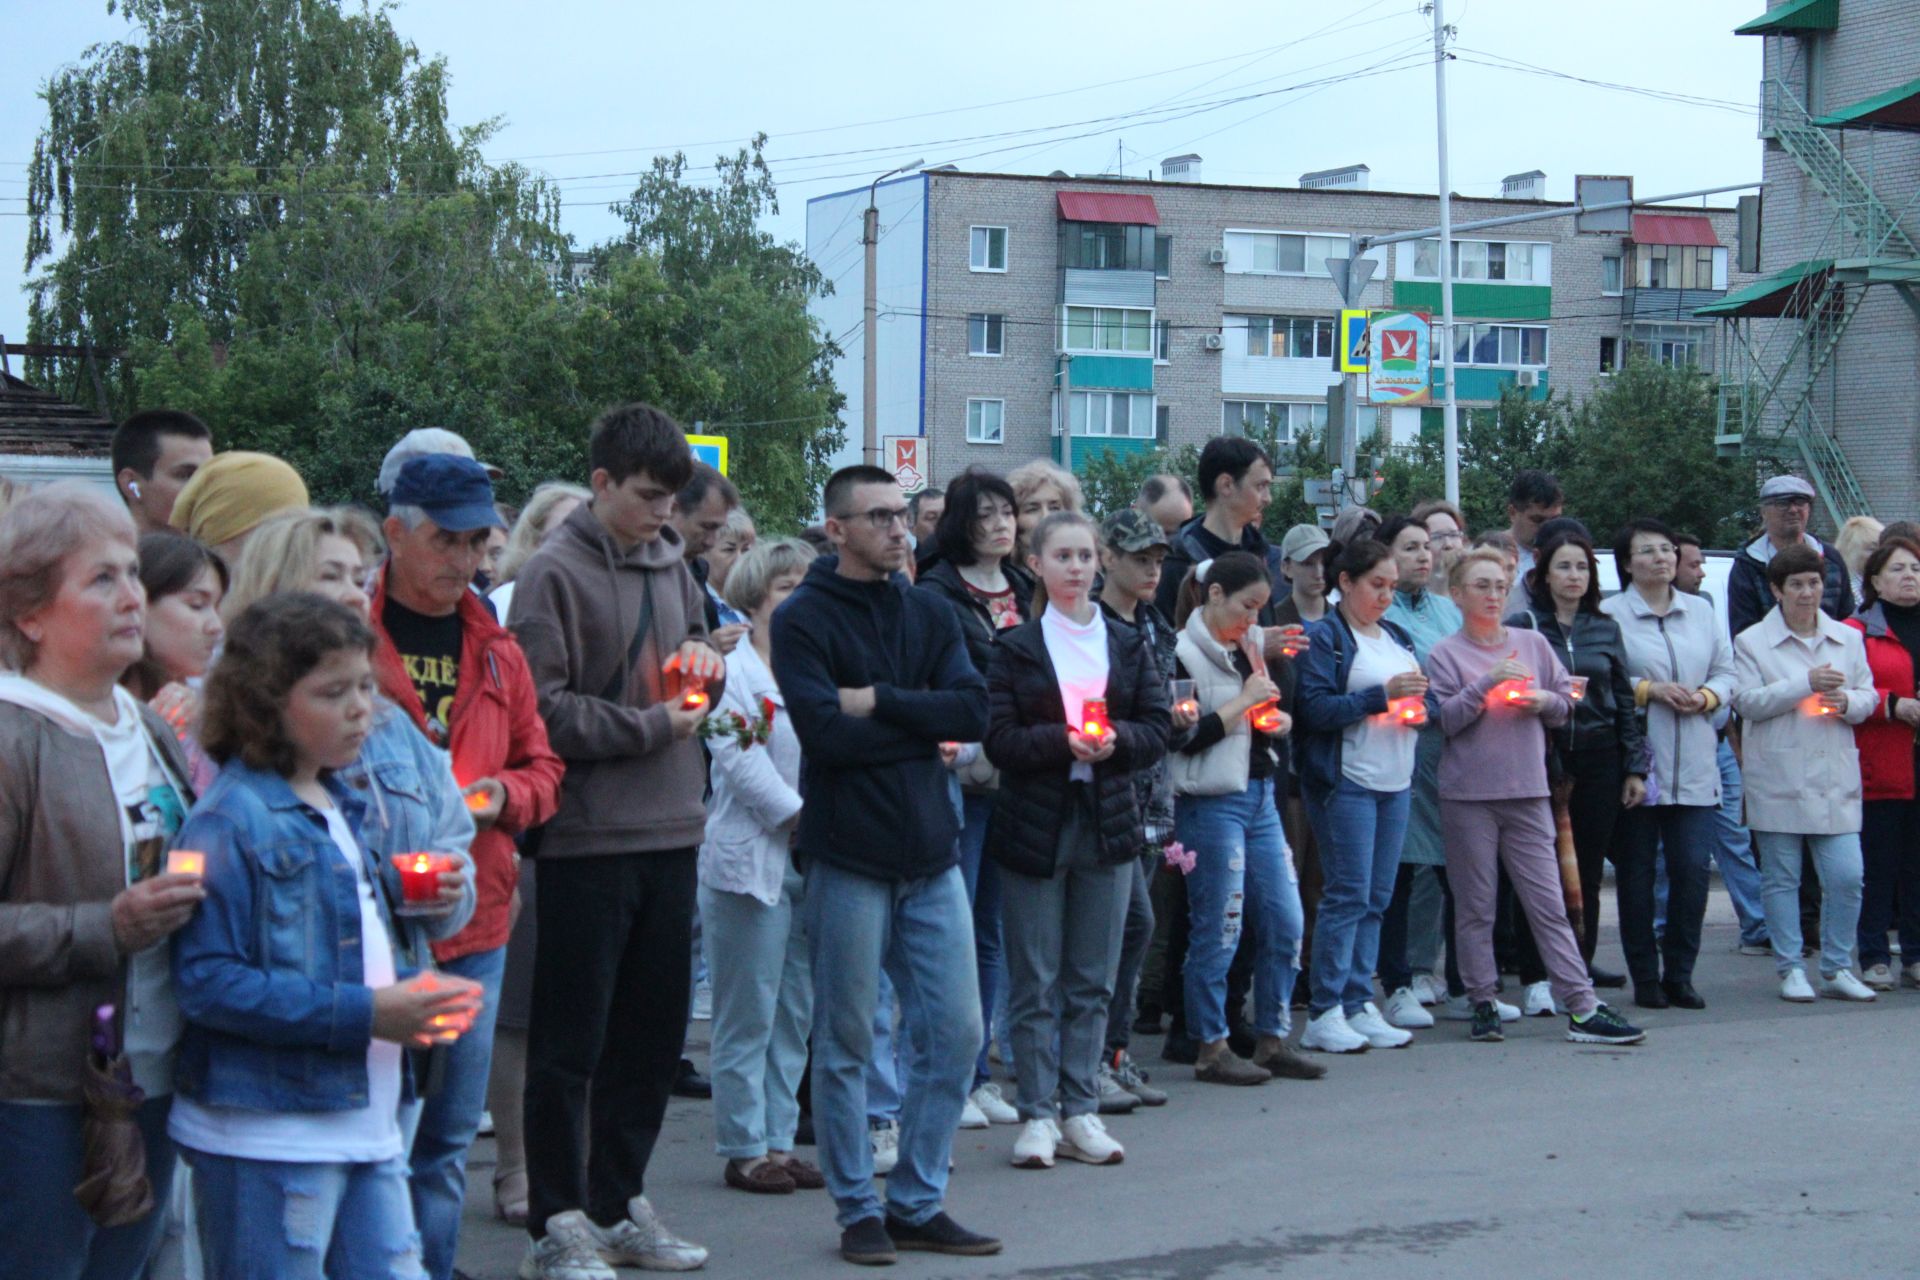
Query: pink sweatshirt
{"type": "Point", "coordinates": [1496, 752]}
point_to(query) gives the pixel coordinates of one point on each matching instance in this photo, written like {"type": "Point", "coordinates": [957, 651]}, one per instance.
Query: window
{"type": "Point", "coordinates": [1610, 275]}
{"type": "Point", "coordinates": [1609, 354]}
{"type": "Point", "coordinates": [986, 421]}
{"type": "Point", "coordinates": [1281, 252]}
{"type": "Point", "coordinates": [1107, 246]}
{"type": "Point", "coordinates": [1508, 345]}
{"type": "Point", "coordinates": [1163, 257]}
{"type": "Point", "coordinates": [1285, 420]}
{"type": "Point", "coordinates": [1122, 329]}
{"type": "Point", "coordinates": [1510, 261]}
{"type": "Point", "coordinates": [1162, 340]}
{"type": "Point", "coordinates": [1297, 337]}
{"type": "Point", "coordinates": [1111, 413]}
{"type": "Point", "coordinates": [1678, 266]}
{"type": "Point", "coordinates": [986, 334]}
{"type": "Point", "coordinates": [1669, 344]}
{"type": "Point", "coordinates": [1162, 423]}
{"type": "Point", "coordinates": [987, 249]}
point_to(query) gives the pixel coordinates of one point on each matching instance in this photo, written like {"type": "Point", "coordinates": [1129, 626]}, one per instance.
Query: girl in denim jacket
{"type": "Point", "coordinates": [292, 1073]}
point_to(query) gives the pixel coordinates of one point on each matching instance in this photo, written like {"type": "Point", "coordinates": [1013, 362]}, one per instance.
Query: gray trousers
{"type": "Point", "coordinates": [1061, 938]}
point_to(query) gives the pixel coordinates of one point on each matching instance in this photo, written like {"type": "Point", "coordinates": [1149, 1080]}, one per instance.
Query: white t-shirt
{"type": "Point", "coordinates": [1079, 653]}
{"type": "Point", "coordinates": [367, 1134]}
{"type": "Point", "coordinates": [1375, 752]}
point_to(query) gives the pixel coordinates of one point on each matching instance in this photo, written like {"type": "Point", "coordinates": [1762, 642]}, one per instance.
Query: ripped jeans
{"type": "Point", "coordinates": [269, 1220]}
{"type": "Point", "coordinates": [1242, 869]}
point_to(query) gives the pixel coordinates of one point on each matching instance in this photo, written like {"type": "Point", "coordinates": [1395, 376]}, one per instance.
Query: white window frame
{"type": "Point", "coordinates": [1005, 248]}
{"type": "Point", "coordinates": [1546, 342]}
{"type": "Point", "coordinates": [1066, 328]}
{"type": "Point", "coordinates": [1111, 398]}
{"type": "Point", "coordinates": [1298, 413]}
{"type": "Point", "coordinates": [1656, 341]}
{"type": "Point", "coordinates": [1241, 263]}
{"type": "Point", "coordinates": [1467, 249]}
{"type": "Point", "coordinates": [987, 327]}
{"type": "Point", "coordinates": [1619, 261]}
{"type": "Point", "coordinates": [1000, 409]}
{"type": "Point", "coordinates": [1163, 342]}
{"type": "Point", "coordinates": [1243, 323]}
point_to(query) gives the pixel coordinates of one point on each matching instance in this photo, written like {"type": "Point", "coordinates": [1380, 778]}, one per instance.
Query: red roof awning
{"type": "Point", "coordinates": [1108, 206]}
{"type": "Point", "coordinates": [1670, 228]}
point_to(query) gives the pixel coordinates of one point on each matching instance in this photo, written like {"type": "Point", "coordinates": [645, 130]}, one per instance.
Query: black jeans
{"type": "Point", "coordinates": [1891, 895]}
{"type": "Point", "coordinates": [1137, 933]}
{"type": "Point", "coordinates": [610, 990]}
{"type": "Point", "coordinates": [1594, 809]}
{"type": "Point", "coordinates": [1395, 972]}
{"type": "Point", "coordinates": [1687, 834]}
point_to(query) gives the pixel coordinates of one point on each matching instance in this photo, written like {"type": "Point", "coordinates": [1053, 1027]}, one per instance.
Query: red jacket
{"type": "Point", "coordinates": [496, 732]}
{"type": "Point", "coordinates": [1886, 745]}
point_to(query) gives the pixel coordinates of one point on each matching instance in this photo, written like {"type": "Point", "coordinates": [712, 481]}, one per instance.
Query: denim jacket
{"type": "Point", "coordinates": [273, 1022]}
{"type": "Point", "coordinates": [1323, 708]}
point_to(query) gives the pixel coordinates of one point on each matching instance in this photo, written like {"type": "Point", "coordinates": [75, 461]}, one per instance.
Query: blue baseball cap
{"type": "Point", "coordinates": [453, 491]}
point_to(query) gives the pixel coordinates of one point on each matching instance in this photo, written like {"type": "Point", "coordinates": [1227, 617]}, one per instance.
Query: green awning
{"type": "Point", "coordinates": [1795, 15]}
{"type": "Point", "coordinates": [1895, 109]}
{"type": "Point", "coordinates": [1784, 293]}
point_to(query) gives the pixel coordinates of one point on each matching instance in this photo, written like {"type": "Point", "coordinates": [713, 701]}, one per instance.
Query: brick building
{"type": "Point", "coordinates": [1173, 310]}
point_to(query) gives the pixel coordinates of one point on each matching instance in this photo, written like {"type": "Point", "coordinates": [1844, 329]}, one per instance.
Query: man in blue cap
{"type": "Point", "coordinates": [443, 659]}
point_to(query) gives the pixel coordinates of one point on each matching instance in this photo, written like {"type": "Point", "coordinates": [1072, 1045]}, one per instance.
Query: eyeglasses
{"type": "Point", "coordinates": [881, 519]}
{"type": "Point", "coordinates": [1657, 549]}
{"type": "Point", "coordinates": [1445, 539]}
{"type": "Point", "coordinates": [1485, 586]}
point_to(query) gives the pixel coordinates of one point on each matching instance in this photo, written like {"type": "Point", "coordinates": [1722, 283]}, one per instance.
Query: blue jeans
{"type": "Point", "coordinates": [1360, 833]}
{"type": "Point", "coordinates": [983, 891]}
{"type": "Point", "coordinates": [762, 1007]}
{"type": "Point", "coordinates": [1837, 861]}
{"type": "Point", "coordinates": [268, 1220]}
{"type": "Point", "coordinates": [450, 1119]}
{"type": "Point", "coordinates": [48, 1235]}
{"type": "Point", "coordinates": [921, 933]}
{"type": "Point", "coordinates": [1241, 866]}
{"type": "Point", "coordinates": [883, 1067]}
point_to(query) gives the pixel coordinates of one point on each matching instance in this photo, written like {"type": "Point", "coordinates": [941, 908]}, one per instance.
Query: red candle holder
{"type": "Point", "coordinates": [186, 862]}
{"type": "Point", "coordinates": [1295, 643]}
{"type": "Point", "coordinates": [1093, 718]}
{"type": "Point", "coordinates": [1410, 711]}
{"type": "Point", "coordinates": [1815, 707]}
{"type": "Point", "coordinates": [1508, 692]}
{"type": "Point", "coordinates": [693, 694]}
{"type": "Point", "coordinates": [477, 800]}
{"type": "Point", "coordinates": [420, 881]}
{"type": "Point", "coordinates": [1266, 716]}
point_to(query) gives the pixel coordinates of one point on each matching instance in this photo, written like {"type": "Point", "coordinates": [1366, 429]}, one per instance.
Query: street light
{"type": "Point", "coordinates": [870, 380]}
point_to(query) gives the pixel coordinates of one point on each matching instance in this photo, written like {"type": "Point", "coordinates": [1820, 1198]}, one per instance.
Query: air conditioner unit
{"type": "Point", "coordinates": [1527, 378]}
{"type": "Point", "coordinates": [1217, 257]}
{"type": "Point", "coordinates": [1213, 342]}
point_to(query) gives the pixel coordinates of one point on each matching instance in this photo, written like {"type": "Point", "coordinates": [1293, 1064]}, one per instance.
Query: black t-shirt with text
{"type": "Point", "coordinates": [429, 648]}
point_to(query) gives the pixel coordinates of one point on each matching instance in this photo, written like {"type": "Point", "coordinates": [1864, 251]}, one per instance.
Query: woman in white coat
{"type": "Point", "coordinates": [1801, 683]}
{"type": "Point", "coordinates": [751, 895]}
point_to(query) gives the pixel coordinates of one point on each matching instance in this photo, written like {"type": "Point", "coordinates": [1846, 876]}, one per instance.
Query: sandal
{"type": "Point", "coordinates": [765, 1178]}
{"type": "Point", "coordinates": [806, 1176]}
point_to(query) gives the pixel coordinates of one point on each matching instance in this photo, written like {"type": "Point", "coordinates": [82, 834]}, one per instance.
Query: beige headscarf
{"type": "Point", "coordinates": [233, 493]}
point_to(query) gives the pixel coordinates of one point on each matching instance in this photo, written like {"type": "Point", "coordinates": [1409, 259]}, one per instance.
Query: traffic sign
{"type": "Point", "coordinates": [1350, 276]}
{"type": "Point", "coordinates": [906, 457]}
{"type": "Point", "coordinates": [1352, 355]}
{"type": "Point", "coordinates": [711, 450]}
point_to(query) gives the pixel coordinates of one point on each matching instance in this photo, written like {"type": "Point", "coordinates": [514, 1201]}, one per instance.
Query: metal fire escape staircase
{"type": "Point", "coordinates": [1767, 403]}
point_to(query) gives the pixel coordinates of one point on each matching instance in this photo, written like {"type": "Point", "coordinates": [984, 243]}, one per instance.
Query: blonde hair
{"type": "Point", "coordinates": [37, 533]}
{"type": "Point", "coordinates": [530, 530]}
{"type": "Point", "coordinates": [751, 578]}
{"type": "Point", "coordinates": [1856, 540]}
{"type": "Point", "coordinates": [1024, 480]}
{"type": "Point", "coordinates": [1488, 552]}
{"type": "Point", "coordinates": [281, 554]}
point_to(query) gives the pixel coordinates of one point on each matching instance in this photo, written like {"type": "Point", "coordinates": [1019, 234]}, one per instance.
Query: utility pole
{"type": "Point", "coordinates": [869, 338]}
{"type": "Point", "coordinates": [1066, 412]}
{"type": "Point", "coordinates": [1450, 408]}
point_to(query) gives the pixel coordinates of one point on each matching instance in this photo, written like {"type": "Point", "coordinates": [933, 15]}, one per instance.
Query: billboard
{"type": "Point", "coordinates": [906, 457]}
{"type": "Point", "coordinates": [1400, 358]}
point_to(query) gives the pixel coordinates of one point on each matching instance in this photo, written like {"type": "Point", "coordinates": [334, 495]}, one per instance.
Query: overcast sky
{"type": "Point", "coordinates": [589, 90]}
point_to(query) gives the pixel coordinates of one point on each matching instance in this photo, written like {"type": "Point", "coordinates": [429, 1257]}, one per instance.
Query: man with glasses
{"type": "Point", "coordinates": [1786, 508]}
{"type": "Point", "coordinates": [877, 678]}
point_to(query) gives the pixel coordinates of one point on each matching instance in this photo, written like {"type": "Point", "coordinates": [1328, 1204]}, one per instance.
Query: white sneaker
{"type": "Point", "coordinates": [1084, 1138]}
{"type": "Point", "coordinates": [1035, 1146]}
{"type": "Point", "coordinates": [1329, 1033]}
{"type": "Point", "coordinates": [1460, 1009]}
{"type": "Point", "coordinates": [569, 1251]}
{"type": "Point", "coordinates": [1404, 1010]}
{"type": "Point", "coordinates": [1878, 976]}
{"type": "Point", "coordinates": [702, 1010]}
{"type": "Point", "coordinates": [972, 1117]}
{"type": "Point", "coordinates": [886, 1148]}
{"type": "Point", "coordinates": [1538, 1002]}
{"type": "Point", "coordinates": [1844, 986]}
{"type": "Point", "coordinates": [1370, 1024]}
{"type": "Point", "coordinates": [1429, 990]}
{"type": "Point", "coordinates": [1795, 987]}
{"type": "Point", "coordinates": [641, 1240]}
{"type": "Point", "coordinates": [993, 1106]}
{"type": "Point", "coordinates": [1910, 975]}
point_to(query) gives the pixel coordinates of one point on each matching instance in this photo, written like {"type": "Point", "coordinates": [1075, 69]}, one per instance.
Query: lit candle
{"type": "Point", "coordinates": [1578, 691]}
{"type": "Point", "coordinates": [420, 878]}
{"type": "Point", "coordinates": [1409, 710]}
{"type": "Point", "coordinates": [1817, 707]}
{"type": "Point", "coordinates": [1509, 691]}
{"type": "Point", "coordinates": [1183, 700]}
{"type": "Point", "coordinates": [1266, 716]}
{"type": "Point", "coordinates": [186, 862]}
{"type": "Point", "coordinates": [1293, 641]}
{"type": "Point", "coordinates": [477, 800]}
{"type": "Point", "coordinates": [1093, 718]}
{"type": "Point", "coordinates": [693, 694]}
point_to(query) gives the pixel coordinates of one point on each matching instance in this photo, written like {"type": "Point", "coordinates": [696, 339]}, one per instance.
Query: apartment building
{"type": "Point", "coordinates": [1169, 311]}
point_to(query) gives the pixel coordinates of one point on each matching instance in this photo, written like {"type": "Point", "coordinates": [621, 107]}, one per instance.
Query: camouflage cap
{"type": "Point", "coordinates": [1131, 530]}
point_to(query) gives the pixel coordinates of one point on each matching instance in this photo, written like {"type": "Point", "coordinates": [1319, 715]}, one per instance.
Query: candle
{"type": "Point", "coordinates": [1408, 710]}
{"type": "Point", "coordinates": [477, 800]}
{"type": "Point", "coordinates": [1293, 641]}
{"type": "Point", "coordinates": [1266, 716]}
{"type": "Point", "coordinates": [1183, 699]}
{"type": "Point", "coordinates": [420, 880]}
{"type": "Point", "coordinates": [693, 694]}
{"type": "Point", "coordinates": [1817, 707]}
{"type": "Point", "coordinates": [1509, 691]}
{"type": "Point", "coordinates": [186, 862]}
{"type": "Point", "coordinates": [1093, 718]}
{"type": "Point", "coordinates": [1579, 690]}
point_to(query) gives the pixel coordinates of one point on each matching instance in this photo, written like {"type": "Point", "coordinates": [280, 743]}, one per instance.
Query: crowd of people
{"type": "Point", "coordinates": [328, 839]}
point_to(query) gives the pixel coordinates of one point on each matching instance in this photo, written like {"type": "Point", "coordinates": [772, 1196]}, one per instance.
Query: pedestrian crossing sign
{"type": "Point", "coordinates": [711, 450]}
{"type": "Point", "coordinates": [1353, 342]}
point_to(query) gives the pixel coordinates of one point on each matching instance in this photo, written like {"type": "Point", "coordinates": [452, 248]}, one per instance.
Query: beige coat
{"type": "Point", "coordinates": [1800, 770]}
{"type": "Point", "coordinates": [1223, 768]}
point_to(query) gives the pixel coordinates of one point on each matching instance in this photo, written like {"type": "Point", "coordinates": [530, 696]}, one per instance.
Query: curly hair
{"type": "Point", "coordinates": [271, 646]}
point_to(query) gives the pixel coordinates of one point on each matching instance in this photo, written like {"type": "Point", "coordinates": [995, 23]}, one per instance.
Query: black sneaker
{"type": "Point", "coordinates": [867, 1244]}
{"type": "Point", "coordinates": [1486, 1023]}
{"type": "Point", "coordinates": [1603, 1026]}
{"type": "Point", "coordinates": [689, 1083]}
{"type": "Point", "coordinates": [940, 1234]}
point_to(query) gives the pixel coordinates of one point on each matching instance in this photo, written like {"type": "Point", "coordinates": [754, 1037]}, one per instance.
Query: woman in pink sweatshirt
{"type": "Point", "coordinates": [1498, 688]}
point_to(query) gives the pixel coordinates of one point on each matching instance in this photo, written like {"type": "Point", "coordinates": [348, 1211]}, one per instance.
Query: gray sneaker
{"type": "Point", "coordinates": [569, 1251]}
{"type": "Point", "coordinates": [1134, 1080]}
{"type": "Point", "coordinates": [1114, 1099]}
{"type": "Point", "coordinates": [641, 1240]}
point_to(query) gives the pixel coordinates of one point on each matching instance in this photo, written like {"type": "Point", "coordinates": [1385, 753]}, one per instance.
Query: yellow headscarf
{"type": "Point", "coordinates": [233, 493]}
